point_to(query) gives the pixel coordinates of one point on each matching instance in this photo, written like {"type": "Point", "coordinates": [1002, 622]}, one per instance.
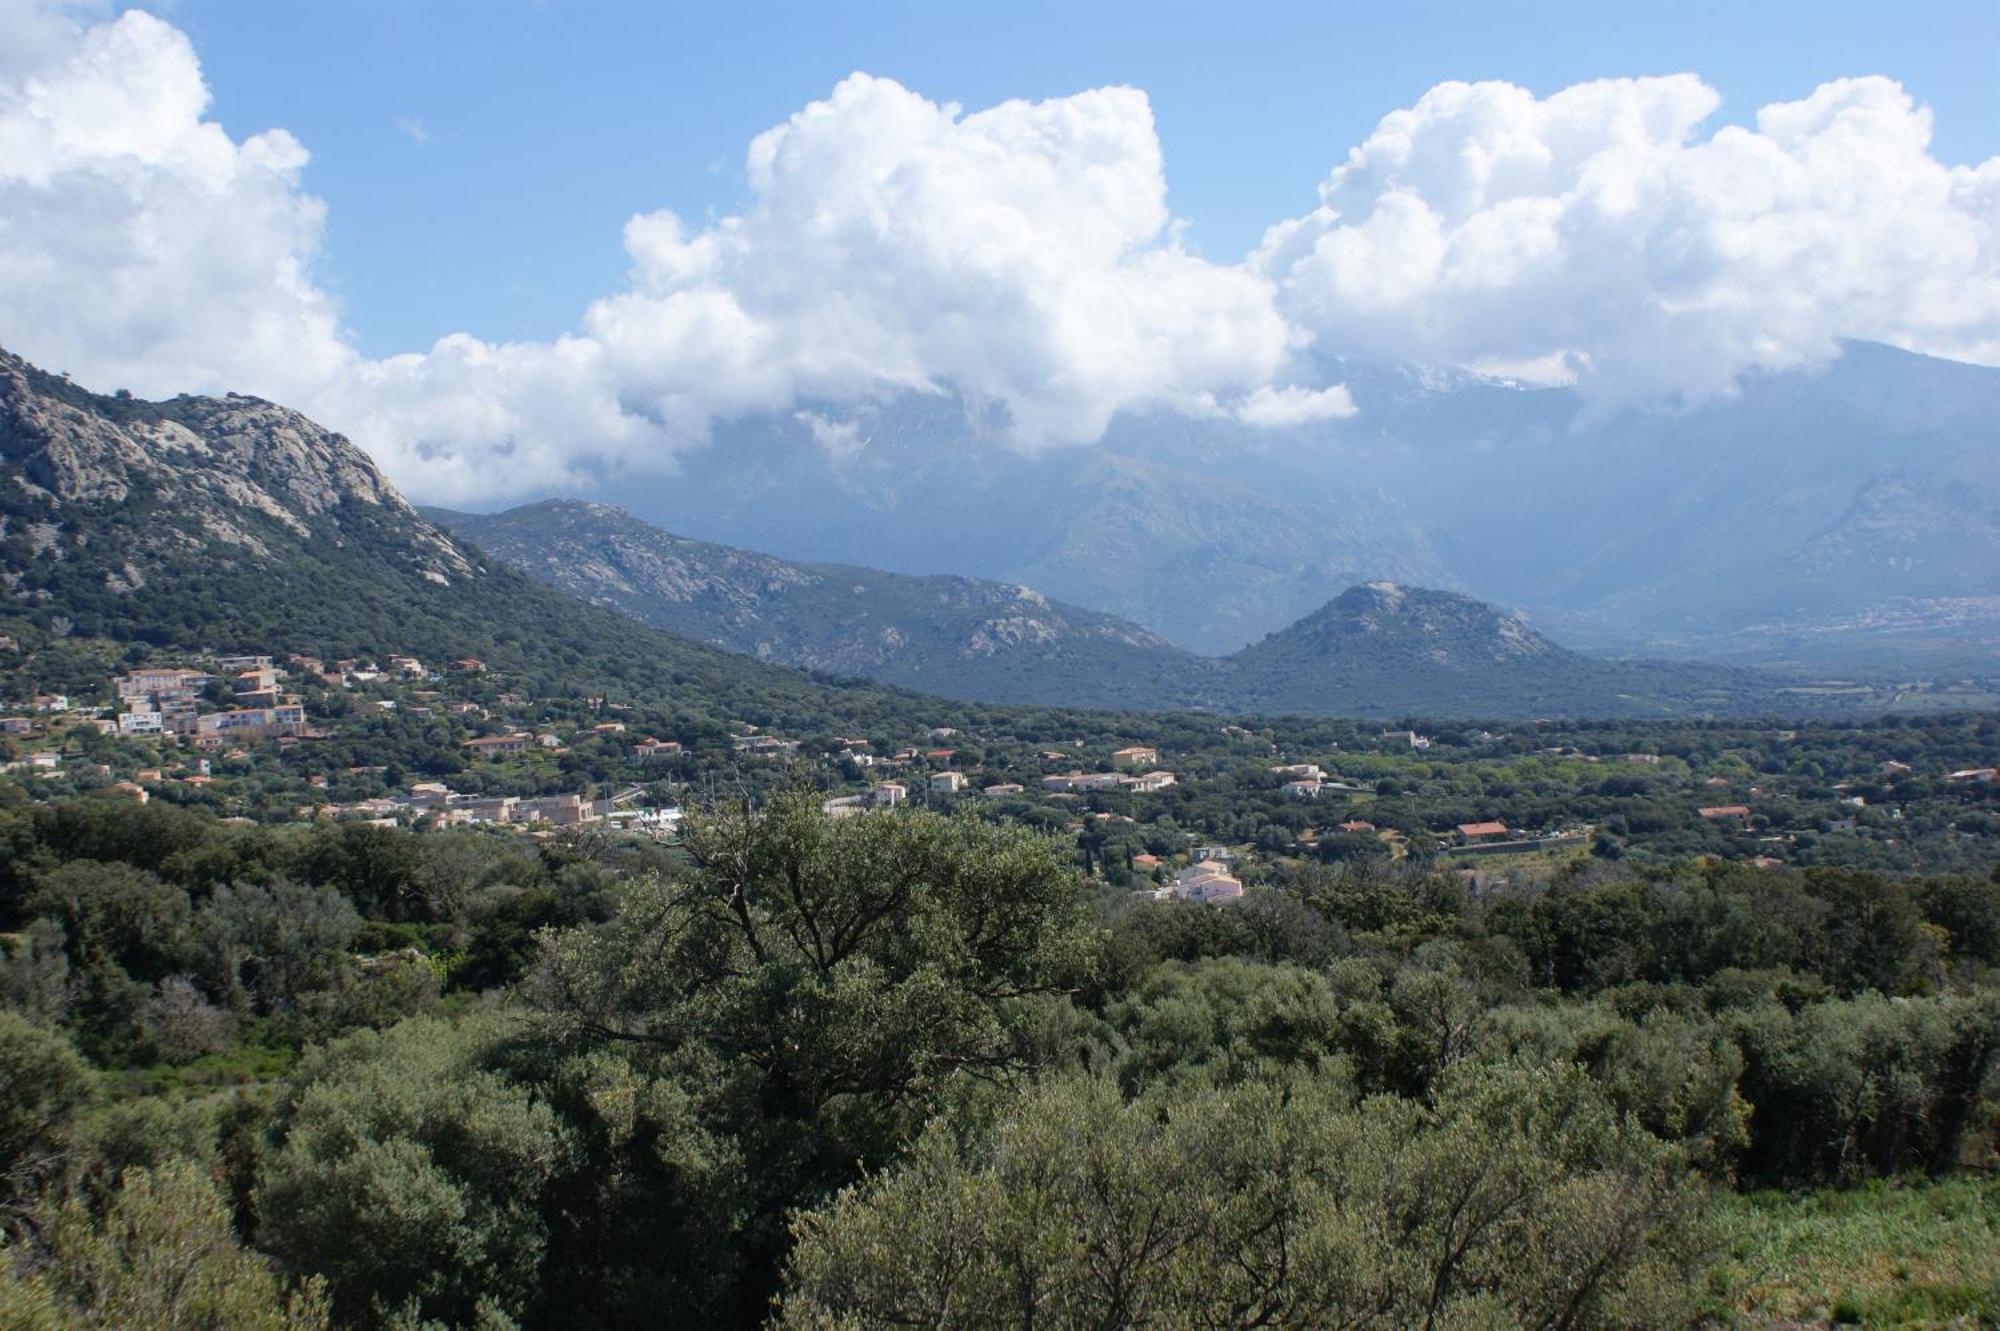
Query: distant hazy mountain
{"type": "Point", "coordinates": [1846, 508]}
{"type": "Point", "coordinates": [1208, 561]}
{"type": "Point", "coordinates": [1806, 501]}
{"type": "Point", "coordinates": [960, 637]}
{"type": "Point", "coordinates": [1382, 649]}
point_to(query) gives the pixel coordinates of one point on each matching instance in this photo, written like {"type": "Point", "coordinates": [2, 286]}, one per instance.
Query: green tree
{"type": "Point", "coordinates": [44, 1085]}
{"type": "Point", "coordinates": [1519, 1199]}
{"type": "Point", "coordinates": [871, 957]}
{"type": "Point", "coordinates": [818, 988]}
{"type": "Point", "coordinates": [161, 1257]}
{"type": "Point", "coordinates": [1845, 1090]}
{"type": "Point", "coordinates": [408, 1172]}
{"type": "Point", "coordinates": [264, 944]}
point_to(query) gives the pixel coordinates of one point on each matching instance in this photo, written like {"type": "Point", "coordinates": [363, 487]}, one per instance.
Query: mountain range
{"type": "Point", "coordinates": [956, 636]}
{"type": "Point", "coordinates": [1378, 649]}
{"type": "Point", "coordinates": [233, 523]}
{"type": "Point", "coordinates": [1841, 513]}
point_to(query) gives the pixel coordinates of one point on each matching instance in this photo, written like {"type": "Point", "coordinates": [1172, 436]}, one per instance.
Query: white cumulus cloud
{"type": "Point", "coordinates": [1600, 232]}
{"type": "Point", "coordinates": [1293, 405]}
{"type": "Point", "coordinates": [139, 245]}
{"type": "Point", "coordinates": [841, 439]}
{"type": "Point", "coordinates": [1022, 255]}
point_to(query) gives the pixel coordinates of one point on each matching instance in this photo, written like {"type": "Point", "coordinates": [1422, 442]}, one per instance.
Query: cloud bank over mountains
{"type": "Point", "coordinates": [1023, 255]}
{"type": "Point", "coordinates": [1599, 227]}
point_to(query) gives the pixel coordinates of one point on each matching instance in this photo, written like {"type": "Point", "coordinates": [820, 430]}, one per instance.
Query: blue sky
{"type": "Point", "coordinates": [512, 248]}
{"type": "Point", "coordinates": [548, 125]}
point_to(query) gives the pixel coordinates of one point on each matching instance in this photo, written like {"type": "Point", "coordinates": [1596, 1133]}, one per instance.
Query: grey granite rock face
{"type": "Point", "coordinates": [207, 463]}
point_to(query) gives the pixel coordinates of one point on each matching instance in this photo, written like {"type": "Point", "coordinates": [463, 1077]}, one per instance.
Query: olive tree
{"type": "Point", "coordinates": [44, 1086]}
{"type": "Point", "coordinates": [408, 1172]}
{"type": "Point", "coordinates": [161, 1254]}
{"type": "Point", "coordinates": [1516, 1199]}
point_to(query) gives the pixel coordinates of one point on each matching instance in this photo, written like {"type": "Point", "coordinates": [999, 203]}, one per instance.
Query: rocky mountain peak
{"type": "Point", "coordinates": [1440, 626]}
{"type": "Point", "coordinates": [214, 466]}
{"type": "Point", "coordinates": [80, 446]}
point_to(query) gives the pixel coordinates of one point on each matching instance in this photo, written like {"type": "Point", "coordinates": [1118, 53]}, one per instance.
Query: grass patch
{"type": "Point", "coordinates": [1920, 1253]}
{"type": "Point", "coordinates": [247, 1064]}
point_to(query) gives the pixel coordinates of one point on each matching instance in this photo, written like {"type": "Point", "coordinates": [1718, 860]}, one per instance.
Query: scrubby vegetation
{"type": "Point", "coordinates": [911, 1069]}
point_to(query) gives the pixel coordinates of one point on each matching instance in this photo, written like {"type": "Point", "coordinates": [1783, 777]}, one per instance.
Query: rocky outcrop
{"type": "Point", "coordinates": [218, 472]}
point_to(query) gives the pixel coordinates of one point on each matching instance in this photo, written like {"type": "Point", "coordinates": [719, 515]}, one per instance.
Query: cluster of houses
{"type": "Point", "coordinates": [513, 742]}
{"type": "Point", "coordinates": [438, 803]}
{"type": "Point", "coordinates": [946, 780]}
{"type": "Point", "coordinates": [1071, 783]}
{"type": "Point", "coordinates": [220, 704]}
{"type": "Point", "coordinates": [1137, 771]}
{"type": "Point", "coordinates": [232, 700]}
{"type": "Point", "coordinates": [173, 701]}
{"type": "Point", "coordinates": [170, 701]}
{"type": "Point", "coordinates": [181, 703]}
{"type": "Point", "coordinates": [890, 794]}
{"type": "Point", "coordinates": [352, 671]}
{"type": "Point", "coordinates": [1206, 879]}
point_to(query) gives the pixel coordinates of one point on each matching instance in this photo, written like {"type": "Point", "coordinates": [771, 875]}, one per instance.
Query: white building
{"type": "Point", "coordinates": [1207, 881]}
{"type": "Point", "coordinates": [1072, 781]}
